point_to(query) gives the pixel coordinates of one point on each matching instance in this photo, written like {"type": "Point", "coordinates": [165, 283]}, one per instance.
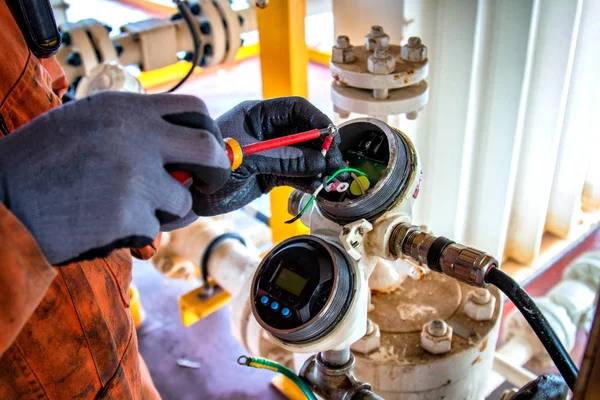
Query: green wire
{"type": "Point", "coordinates": [263, 363]}
{"type": "Point", "coordinates": [341, 171]}
{"type": "Point", "coordinates": [329, 180]}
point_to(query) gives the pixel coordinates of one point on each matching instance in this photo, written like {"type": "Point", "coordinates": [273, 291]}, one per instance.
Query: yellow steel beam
{"type": "Point", "coordinates": [284, 63]}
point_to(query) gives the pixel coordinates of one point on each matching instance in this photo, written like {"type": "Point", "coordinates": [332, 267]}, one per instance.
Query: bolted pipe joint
{"type": "Point", "coordinates": [414, 50]}
{"type": "Point", "coordinates": [480, 305]}
{"type": "Point", "coordinates": [343, 52]}
{"type": "Point", "coordinates": [436, 337]}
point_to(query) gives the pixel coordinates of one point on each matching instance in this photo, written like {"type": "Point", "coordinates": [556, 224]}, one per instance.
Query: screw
{"type": "Point", "coordinates": [262, 3]}
{"type": "Point", "coordinates": [354, 244]}
{"type": "Point", "coordinates": [205, 27]}
{"type": "Point", "coordinates": [370, 327]}
{"type": "Point", "coordinates": [481, 296]}
{"type": "Point", "coordinates": [343, 42]}
{"type": "Point", "coordinates": [361, 230]}
{"type": "Point", "coordinates": [345, 231]}
{"type": "Point", "coordinates": [376, 30]}
{"type": "Point", "coordinates": [437, 328]}
{"type": "Point", "coordinates": [74, 59]}
{"type": "Point", "coordinates": [195, 9]}
{"type": "Point", "coordinates": [118, 49]}
{"type": "Point", "coordinates": [412, 115]}
{"type": "Point", "coordinates": [414, 41]}
{"type": "Point", "coordinates": [65, 37]}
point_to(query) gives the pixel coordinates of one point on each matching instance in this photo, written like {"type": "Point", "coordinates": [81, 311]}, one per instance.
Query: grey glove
{"type": "Point", "coordinates": [91, 176]}
{"type": "Point", "coordinates": [297, 166]}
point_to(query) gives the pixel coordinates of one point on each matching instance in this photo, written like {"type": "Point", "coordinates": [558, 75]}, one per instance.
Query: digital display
{"type": "Point", "coordinates": [290, 281]}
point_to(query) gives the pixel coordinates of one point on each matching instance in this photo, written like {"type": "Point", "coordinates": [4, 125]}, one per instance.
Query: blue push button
{"type": "Point", "coordinates": [275, 306]}
{"type": "Point", "coordinates": [285, 312]}
{"type": "Point", "coordinates": [264, 300]}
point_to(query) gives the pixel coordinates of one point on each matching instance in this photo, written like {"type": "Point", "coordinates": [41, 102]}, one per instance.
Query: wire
{"type": "Point", "coordinates": [538, 323]}
{"type": "Point", "coordinates": [192, 24]}
{"type": "Point", "coordinates": [263, 363]}
{"type": "Point", "coordinates": [316, 192]}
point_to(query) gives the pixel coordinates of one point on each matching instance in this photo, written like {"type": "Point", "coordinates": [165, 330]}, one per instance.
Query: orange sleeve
{"type": "Point", "coordinates": [145, 253]}
{"type": "Point", "coordinates": [57, 76]}
{"type": "Point", "coordinates": [25, 275]}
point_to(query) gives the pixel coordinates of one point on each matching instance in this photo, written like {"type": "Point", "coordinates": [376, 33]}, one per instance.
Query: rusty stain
{"type": "Point", "coordinates": [336, 77]}
{"type": "Point", "coordinates": [483, 345]}
{"type": "Point", "coordinates": [410, 72]}
{"type": "Point", "coordinates": [396, 77]}
{"type": "Point", "coordinates": [475, 361]}
{"type": "Point", "coordinates": [406, 79]}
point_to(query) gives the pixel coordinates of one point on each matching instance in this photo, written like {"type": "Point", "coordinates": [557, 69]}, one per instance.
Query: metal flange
{"type": "Point", "coordinates": [361, 101]}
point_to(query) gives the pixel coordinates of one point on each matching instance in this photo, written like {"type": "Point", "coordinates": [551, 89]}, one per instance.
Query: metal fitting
{"type": "Point", "coordinates": [381, 62]}
{"type": "Point", "coordinates": [294, 202]}
{"type": "Point", "coordinates": [436, 337]}
{"type": "Point", "coordinates": [343, 51]}
{"type": "Point", "coordinates": [442, 255]}
{"type": "Point", "coordinates": [480, 305]}
{"type": "Point", "coordinates": [340, 112]}
{"type": "Point", "coordinates": [370, 342]}
{"type": "Point", "coordinates": [261, 3]}
{"type": "Point", "coordinates": [414, 50]}
{"type": "Point", "coordinates": [331, 381]}
{"type": "Point", "coordinates": [376, 37]}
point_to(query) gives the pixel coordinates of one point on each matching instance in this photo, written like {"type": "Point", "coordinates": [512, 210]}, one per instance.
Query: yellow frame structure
{"type": "Point", "coordinates": [284, 65]}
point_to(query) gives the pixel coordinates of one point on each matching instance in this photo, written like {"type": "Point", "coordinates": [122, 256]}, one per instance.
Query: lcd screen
{"type": "Point", "coordinates": [290, 281]}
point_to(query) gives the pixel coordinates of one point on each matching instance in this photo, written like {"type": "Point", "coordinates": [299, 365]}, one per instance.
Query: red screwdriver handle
{"type": "Point", "coordinates": [283, 141]}
{"type": "Point", "coordinates": [258, 147]}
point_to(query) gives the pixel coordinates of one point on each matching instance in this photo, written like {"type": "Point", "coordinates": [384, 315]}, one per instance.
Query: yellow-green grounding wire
{"type": "Point", "coordinates": [263, 363]}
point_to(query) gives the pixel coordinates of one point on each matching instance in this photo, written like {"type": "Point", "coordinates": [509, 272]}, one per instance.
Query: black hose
{"type": "Point", "coordinates": [192, 24]}
{"type": "Point", "coordinates": [538, 323]}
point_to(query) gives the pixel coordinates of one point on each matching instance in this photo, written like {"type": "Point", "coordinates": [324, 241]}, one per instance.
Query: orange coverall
{"type": "Point", "coordinates": [64, 332]}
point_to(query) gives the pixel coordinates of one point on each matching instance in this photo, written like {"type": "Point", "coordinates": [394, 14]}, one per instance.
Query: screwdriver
{"type": "Point", "coordinates": [236, 152]}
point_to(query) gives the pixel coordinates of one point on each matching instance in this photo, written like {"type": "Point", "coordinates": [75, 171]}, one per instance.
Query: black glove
{"type": "Point", "coordinates": [297, 166]}
{"type": "Point", "coordinates": [91, 176]}
{"type": "Point", "coordinates": [545, 387]}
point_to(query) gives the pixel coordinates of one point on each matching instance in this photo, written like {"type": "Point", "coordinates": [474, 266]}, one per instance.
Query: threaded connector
{"type": "Point", "coordinates": [442, 255]}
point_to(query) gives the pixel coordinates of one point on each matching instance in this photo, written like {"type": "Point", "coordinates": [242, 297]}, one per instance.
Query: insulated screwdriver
{"type": "Point", "coordinates": [236, 152]}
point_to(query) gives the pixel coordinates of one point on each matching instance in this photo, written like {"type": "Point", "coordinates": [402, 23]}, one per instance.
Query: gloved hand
{"type": "Point", "coordinates": [91, 175]}
{"type": "Point", "coordinates": [297, 166]}
{"type": "Point", "coordinates": [545, 387]}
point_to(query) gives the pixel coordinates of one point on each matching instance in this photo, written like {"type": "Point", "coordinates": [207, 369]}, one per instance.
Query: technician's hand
{"type": "Point", "coordinates": [296, 166]}
{"type": "Point", "coordinates": [544, 387]}
{"type": "Point", "coordinates": [91, 176]}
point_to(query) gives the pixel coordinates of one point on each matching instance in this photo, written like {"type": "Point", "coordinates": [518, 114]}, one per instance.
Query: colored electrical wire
{"type": "Point", "coordinates": [538, 323]}
{"type": "Point", "coordinates": [192, 24]}
{"type": "Point", "coordinates": [318, 190]}
{"type": "Point", "coordinates": [263, 363]}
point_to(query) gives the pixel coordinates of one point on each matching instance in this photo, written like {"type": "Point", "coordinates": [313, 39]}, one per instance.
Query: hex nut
{"type": "Point", "coordinates": [436, 344]}
{"type": "Point", "coordinates": [381, 66]}
{"type": "Point", "coordinates": [375, 37]}
{"type": "Point", "coordinates": [341, 113]}
{"type": "Point", "coordinates": [413, 51]}
{"type": "Point", "coordinates": [369, 342]}
{"type": "Point", "coordinates": [476, 306]}
{"type": "Point", "coordinates": [343, 56]}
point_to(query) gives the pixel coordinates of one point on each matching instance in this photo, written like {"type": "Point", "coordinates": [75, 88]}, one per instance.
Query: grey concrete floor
{"type": "Point", "coordinates": [163, 340]}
